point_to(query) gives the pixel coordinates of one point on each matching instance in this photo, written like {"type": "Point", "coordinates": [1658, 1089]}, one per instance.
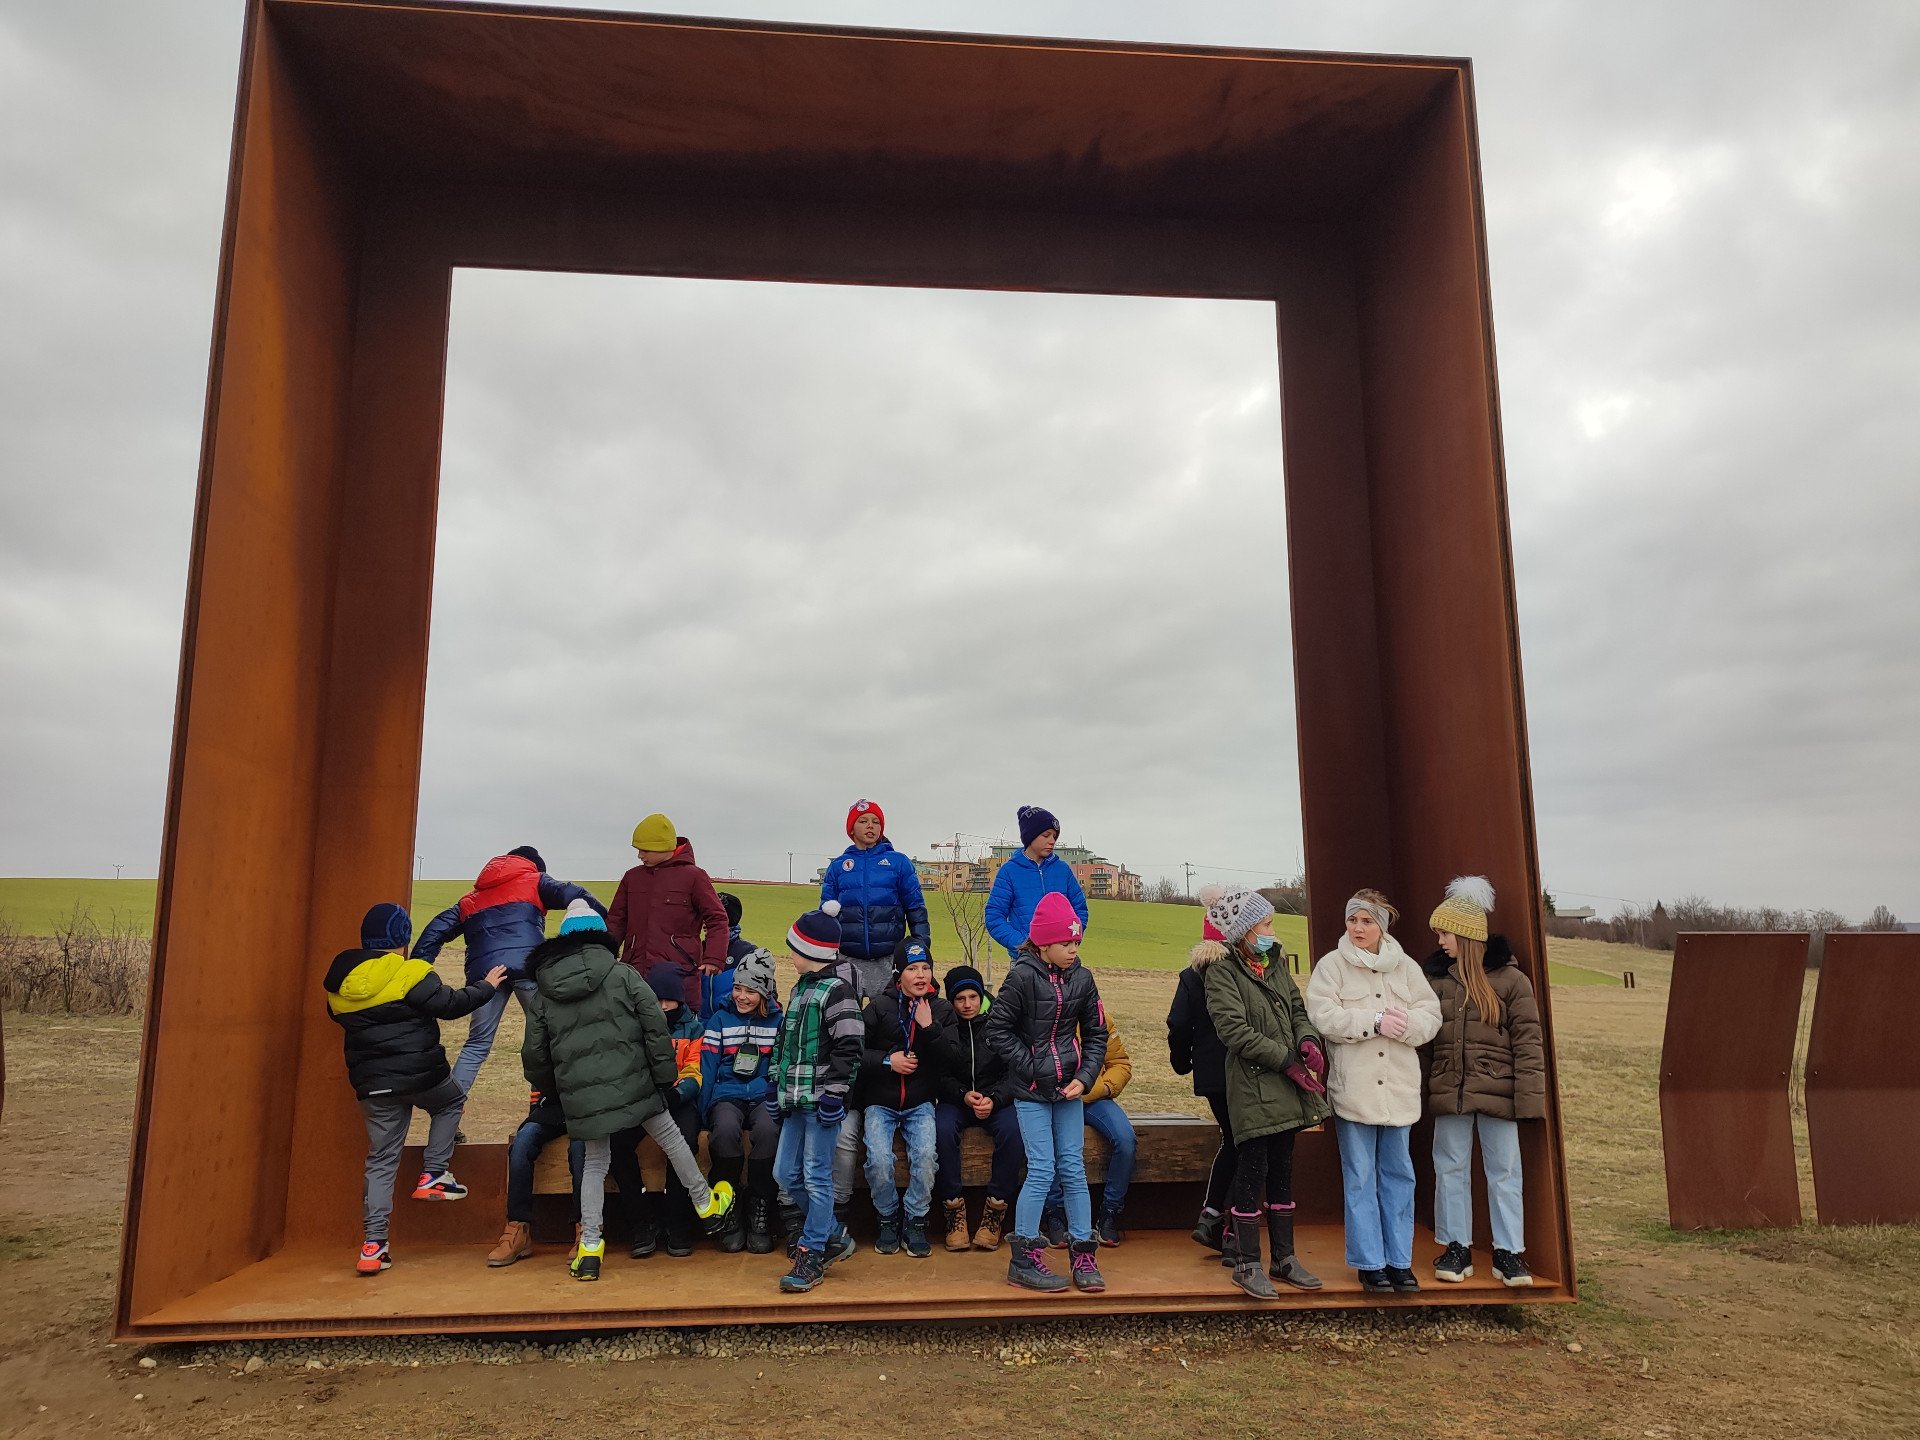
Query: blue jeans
{"type": "Point", "coordinates": [483, 1025]}
{"type": "Point", "coordinates": [1376, 1177]}
{"type": "Point", "coordinates": [1009, 1155]}
{"type": "Point", "coordinates": [1109, 1122]}
{"type": "Point", "coordinates": [803, 1166]}
{"type": "Point", "coordinates": [528, 1141]}
{"type": "Point", "coordinates": [882, 1123]}
{"type": "Point", "coordinates": [1453, 1180]}
{"type": "Point", "coordinates": [1054, 1133]}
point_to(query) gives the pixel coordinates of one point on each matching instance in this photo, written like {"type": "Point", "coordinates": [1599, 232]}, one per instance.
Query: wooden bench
{"type": "Point", "coordinates": [1173, 1149]}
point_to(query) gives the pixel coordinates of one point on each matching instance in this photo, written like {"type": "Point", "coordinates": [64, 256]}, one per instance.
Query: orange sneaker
{"type": "Point", "coordinates": [439, 1187]}
{"type": "Point", "coordinates": [374, 1258]}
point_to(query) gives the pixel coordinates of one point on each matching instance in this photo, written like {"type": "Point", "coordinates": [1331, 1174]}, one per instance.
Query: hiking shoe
{"type": "Point", "coordinates": [1210, 1230]}
{"type": "Point", "coordinates": [713, 1215]}
{"type": "Point", "coordinates": [1403, 1280]}
{"type": "Point", "coordinates": [915, 1237]}
{"type": "Point", "coordinates": [1085, 1265]}
{"type": "Point", "coordinates": [1028, 1266]}
{"type": "Point", "coordinates": [374, 1258]}
{"type": "Point", "coordinates": [887, 1241]}
{"type": "Point", "coordinates": [1376, 1282]}
{"type": "Point", "coordinates": [839, 1247]}
{"type": "Point", "coordinates": [809, 1269]}
{"type": "Point", "coordinates": [956, 1216]}
{"type": "Point", "coordinates": [1511, 1269]}
{"type": "Point", "coordinates": [759, 1225]}
{"type": "Point", "coordinates": [438, 1187]}
{"type": "Point", "coordinates": [993, 1225]}
{"type": "Point", "coordinates": [1453, 1264]}
{"type": "Point", "coordinates": [516, 1243]}
{"type": "Point", "coordinates": [1107, 1228]}
{"type": "Point", "coordinates": [1053, 1229]}
{"type": "Point", "coordinates": [586, 1265]}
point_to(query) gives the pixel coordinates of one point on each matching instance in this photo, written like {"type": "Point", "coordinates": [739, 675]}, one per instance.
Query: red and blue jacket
{"type": "Point", "coordinates": [502, 918]}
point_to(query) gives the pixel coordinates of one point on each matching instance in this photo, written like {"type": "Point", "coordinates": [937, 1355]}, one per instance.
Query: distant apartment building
{"type": "Point", "coordinates": [953, 876]}
{"type": "Point", "coordinates": [1101, 878]}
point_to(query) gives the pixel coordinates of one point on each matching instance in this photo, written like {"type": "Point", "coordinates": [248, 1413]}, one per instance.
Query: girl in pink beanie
{"type": "Point", "coordinates": [1047, 1024]}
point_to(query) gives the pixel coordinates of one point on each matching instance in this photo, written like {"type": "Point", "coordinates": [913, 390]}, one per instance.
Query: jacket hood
{"type": "Point", "coordinates": [569, 968]}
{"type": "Point", "coordinates": [503, 868]}
{"type": "Point", "coordinates": [1205, 953]}
{"type": "Point", "coordinates": [361, 979]}
{"type": "Point", "coordinates": [1499, 955]}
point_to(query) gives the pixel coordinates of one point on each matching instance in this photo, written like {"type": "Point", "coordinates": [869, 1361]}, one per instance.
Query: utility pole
{"type": "Point", "coordinates": [1189, 869]}
{"type": "Point", "coordinates": [789, 867]}
{"type": "Point", "coordinates": [419, 864]}
{"type": "Point", "coordinates": [116, 871]}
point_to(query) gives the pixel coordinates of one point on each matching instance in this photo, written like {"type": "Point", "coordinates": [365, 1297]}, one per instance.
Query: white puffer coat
{"type": "Point", "coordinates": [1371, 1079]}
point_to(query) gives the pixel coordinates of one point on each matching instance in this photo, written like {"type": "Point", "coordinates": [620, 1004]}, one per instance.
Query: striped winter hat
{"type": "Point", "coordinates": [816, 934]}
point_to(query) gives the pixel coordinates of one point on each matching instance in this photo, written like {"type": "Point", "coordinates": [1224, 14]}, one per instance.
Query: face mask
{"type": "Point", "coordinates": [1263, 943]}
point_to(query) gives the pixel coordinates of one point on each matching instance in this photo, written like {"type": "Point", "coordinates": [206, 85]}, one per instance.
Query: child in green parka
{"type": "Point", "coordinates": [597, 1038]}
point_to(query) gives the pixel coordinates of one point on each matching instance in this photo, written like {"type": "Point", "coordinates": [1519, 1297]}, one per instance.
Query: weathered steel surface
{"type": "Point", "coordinates": [1732, 1016]}
{"type": "Point", "coordinates": [1863, 1081]}
{"type": "Point", "coordinates": [379, 145]}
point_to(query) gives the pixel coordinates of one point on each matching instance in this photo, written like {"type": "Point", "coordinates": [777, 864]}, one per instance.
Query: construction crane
{"type": "Point", "coordinates": [958, 844]}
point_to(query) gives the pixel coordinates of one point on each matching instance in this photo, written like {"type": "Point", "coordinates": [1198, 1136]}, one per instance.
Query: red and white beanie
{"type": "Point", "coordinates": [865, 807]}
{"type": "Point", "coordinates": [816, 934]}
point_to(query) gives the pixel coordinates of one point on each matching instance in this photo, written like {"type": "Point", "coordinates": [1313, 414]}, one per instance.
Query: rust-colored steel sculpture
{"type": "Point", "coordinates": [1863, 1081]}
{"type": "Point", "coordinates": [1732, 1016]}
{"type": "Point", "coordinates": [380, 144]}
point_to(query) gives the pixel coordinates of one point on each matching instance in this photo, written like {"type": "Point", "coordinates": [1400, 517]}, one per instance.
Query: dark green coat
{"type": "Point", "coordinates": [596, 1037]}
{"type": "Point", "coordinates": [1261, 1021]}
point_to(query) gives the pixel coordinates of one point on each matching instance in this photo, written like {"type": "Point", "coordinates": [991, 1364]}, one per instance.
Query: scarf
{"type": "Point", "coordinates": [1391, 956]}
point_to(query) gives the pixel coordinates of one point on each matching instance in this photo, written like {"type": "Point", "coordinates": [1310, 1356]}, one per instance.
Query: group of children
{"type": "Point", "coordinates": [654, 1018]}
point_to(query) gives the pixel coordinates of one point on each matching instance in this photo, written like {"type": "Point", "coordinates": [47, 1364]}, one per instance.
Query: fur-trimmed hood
{"type": "Point", "coordinates": [1205, 953]}
{"type": "Point", "coordinates": [1499, 956]}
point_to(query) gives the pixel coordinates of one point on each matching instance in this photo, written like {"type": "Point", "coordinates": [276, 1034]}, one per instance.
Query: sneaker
{"type": "Point", "coordinates": [956, 1217]}
{"type": "Point", "coordinates": [809, 1269]}
{"type": "Point", "coordinates": [459, 1137]}
{"type": "Point", "coordinates": [1053, 1229]}
{"type": "Point", "coordinates": [1376, 1282]}
{"type": "Point", "coordinates": [839, 1247]}
{"type": "Point", "coordinates": [1085, 1266]}
{"type": "Point", "coordinates": [915, 1237]}
{"type": "Point", "coordinates": [1453, 1264]}
{"type": "Point", "coordinates": [1511, 1269]}
{"type": "Point", "coordinates": [993, 1225]}
{"type": "Point", "coordinates": [1107, 1228]}
{"type": "Point", "coordinates": [713, 1215]}
{"type": "Point", "coordinates": [374, 1258]}
{"type": "Point", "coordinates": [887, 1241]}
{"type": "Point", "coordinates": [1404, 1281]}
{"type": "Point", "coordinates": [438, 1187]}
{"type": "Point", "coordinates": [1028, 1266]}
{"type": "Point", "coordinates": [586, 1265]}
{"type": "Point", "coordinates": [516, 1243]}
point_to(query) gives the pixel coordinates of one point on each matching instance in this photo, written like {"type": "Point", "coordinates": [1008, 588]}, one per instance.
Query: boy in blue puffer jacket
{"type": "Point", "coordinates": [737, 1101]}
{"type": "Point", "coordinates": [502, 919]}
{"type": "Point", "coordinates": [1021, 883]}
{"type": "Point", "coordinates": [880, 900]}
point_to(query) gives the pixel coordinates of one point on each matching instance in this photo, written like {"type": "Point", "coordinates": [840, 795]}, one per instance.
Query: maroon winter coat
{"type": "Point", "coordinates": [670, 916]}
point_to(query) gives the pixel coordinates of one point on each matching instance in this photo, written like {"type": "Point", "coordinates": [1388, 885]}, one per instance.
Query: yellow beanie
{"type": "Point", "coordinates": [656, 832]}
{"type": "Point", "coordinates": [1464, 911]}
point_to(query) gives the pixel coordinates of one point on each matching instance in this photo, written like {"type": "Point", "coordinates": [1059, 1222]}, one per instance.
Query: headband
{"type": "Point", "coordinates": [1379, 915]}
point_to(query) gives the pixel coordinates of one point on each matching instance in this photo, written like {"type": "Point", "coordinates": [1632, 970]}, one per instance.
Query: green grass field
{"type": "Point", "coordinates": [1120, 935]}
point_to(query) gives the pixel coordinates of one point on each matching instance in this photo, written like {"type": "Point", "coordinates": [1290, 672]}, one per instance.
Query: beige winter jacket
{"type": "Point", "coordinates": [1372, 1080]}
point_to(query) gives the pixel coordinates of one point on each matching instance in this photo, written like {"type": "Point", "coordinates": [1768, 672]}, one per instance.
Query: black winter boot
{"type": "Point", "coordinates": [1285, 1265]}
{"type": "Point", "coordinates": [759, 1225]}
{"type": "Point", "coordinates": [1247, 1273]}
{"type": "Point", "coordinates": [1210, 1230]}
{"type": "Point", "coordinates": [792, 1220]}
{"type": "Point", "coordinates": [1028, 1267]}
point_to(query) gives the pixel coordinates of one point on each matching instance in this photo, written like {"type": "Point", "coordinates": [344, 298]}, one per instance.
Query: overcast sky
{"type": "Point", "coordinates": [758, 550]}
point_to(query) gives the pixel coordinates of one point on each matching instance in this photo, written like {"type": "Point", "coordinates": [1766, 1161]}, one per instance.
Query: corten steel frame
{"type": "Point", "coordinates": [1733, 1012]}
{"type": "Point", "coordinates": [379, 145]}
{"type": "Point", "coordinates": [1863, 1081]}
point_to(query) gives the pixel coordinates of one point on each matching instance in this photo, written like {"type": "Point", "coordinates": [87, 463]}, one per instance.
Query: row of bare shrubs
{"type": "Point", "coordinates": [1655, 927]}
{"type": "Point", "coordinates": [83, 968]}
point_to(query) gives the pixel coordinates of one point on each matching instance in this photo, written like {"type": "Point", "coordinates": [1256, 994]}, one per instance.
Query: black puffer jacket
{"type": "Point", "coordinates": [391, 1008]}
{"type": "Point", "coordinates": [890, 1028]}
{"type": "Point", "coordinates": [980, 1068]}
{"type": "Point", "coordinates": [1193, 1046]}
{"type": "Point", "coordinates": [1047, 1024]}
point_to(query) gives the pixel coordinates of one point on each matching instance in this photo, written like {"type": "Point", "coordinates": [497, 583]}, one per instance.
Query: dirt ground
{"type": "Point", "coordinates": [1814, 1332]}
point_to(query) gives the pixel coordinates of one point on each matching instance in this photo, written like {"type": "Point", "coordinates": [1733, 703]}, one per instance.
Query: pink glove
{"type": "Point", "coordinates": [1314, 1058]}
{"type": "Point", "coordinates": [1393, 1022]}
{"type": "Point", "coordinates": [1303, 1077]}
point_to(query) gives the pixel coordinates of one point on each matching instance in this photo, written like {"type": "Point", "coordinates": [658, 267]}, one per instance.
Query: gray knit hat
{"type": "Point", "coordinates": [755, 972]}
{"type": "Point", "coordinates": [1237, 911]}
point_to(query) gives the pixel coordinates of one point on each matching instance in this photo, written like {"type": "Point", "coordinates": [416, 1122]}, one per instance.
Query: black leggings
{"type": "Point", "coordinates": [1221, 1175]}
{"type": "Point", "coordinates": [1263, 1173]}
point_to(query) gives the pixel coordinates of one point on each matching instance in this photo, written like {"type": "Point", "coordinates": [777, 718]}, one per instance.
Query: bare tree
{"type": "Point", "coordinates": [967, 912]}
{"type": "Point", "coordinates": [1164, 891]}
{"type": "Point", "coordinates": [1881, 919]}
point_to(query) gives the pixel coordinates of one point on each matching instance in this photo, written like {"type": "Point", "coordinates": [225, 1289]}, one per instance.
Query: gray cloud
{"type": "Point", "coordinates": [743, 552]}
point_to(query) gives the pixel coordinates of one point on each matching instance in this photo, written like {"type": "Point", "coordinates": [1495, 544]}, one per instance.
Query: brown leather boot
{"type": "Point", "coordinates": [993, 1224]}
{"type": "Point", "coordinates": [515, 1244]}
{"type": "Point", "coordinates": [956, 1208]}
